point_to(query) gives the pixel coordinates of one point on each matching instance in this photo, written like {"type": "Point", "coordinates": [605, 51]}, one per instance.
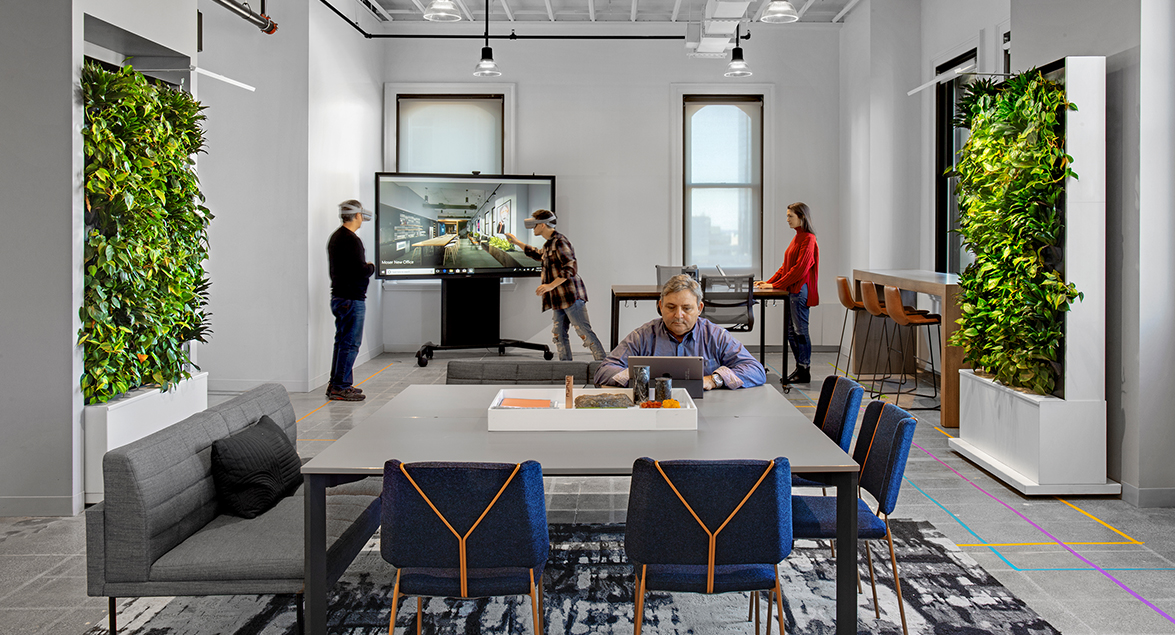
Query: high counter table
{"type": "Point", "coordinates": [449, 423]}
{"type": "Point", "coordinates": [624, 292]}
{"type": "Point", "coordinates": [945, 286]}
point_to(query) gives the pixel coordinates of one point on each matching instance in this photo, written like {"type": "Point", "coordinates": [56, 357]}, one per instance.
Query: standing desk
{"type": "Point", "coordinates": [449, 423]}
{"type": "Point", "coordinates": [624, 292]}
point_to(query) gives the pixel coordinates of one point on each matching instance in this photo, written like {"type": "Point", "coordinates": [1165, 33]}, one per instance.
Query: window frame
{"type": "Point", "coordinates": [393, 91]}
{"type": "Point", "coordinates": [767, 222]}
{"type": "Point", "coordinates": [944, 108]}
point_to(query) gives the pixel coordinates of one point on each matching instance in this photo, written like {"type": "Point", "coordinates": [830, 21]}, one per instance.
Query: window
{"type": "Point", "coordinates": [449, 133]}
{"type": "Point", "coordinates": [949, 254]}
{"type": "Point", "coordinates": [723, 182]}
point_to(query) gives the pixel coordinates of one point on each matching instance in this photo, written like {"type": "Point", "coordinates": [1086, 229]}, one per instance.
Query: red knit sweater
{"type": "Point", "coordinates": [801, 264]}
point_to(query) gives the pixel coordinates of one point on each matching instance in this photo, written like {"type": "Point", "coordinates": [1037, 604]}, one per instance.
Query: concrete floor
{"type": "Point", "coordinates": [1086, 564]}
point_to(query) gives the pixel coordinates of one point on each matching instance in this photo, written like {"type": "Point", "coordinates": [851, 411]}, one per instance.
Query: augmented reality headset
{"type": "Point", "coordinates": [353, 207]}
{"type": "Point", "coordinates": [531, 223]}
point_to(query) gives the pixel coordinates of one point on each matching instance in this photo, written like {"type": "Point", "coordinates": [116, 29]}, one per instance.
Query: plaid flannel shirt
{"type": "Point", "coordinates": [558, 258]}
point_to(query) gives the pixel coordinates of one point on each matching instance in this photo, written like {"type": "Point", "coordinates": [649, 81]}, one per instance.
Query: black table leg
{"type": "Point", "coordinates": [315, 553]}
{"type": "Point", "coordinates": [786, 343]}
{"type": "Point", "coordinates": [615, 321]}
{"type": "Point", "coordinates": [846, 552]}
{"type": "Point", "coordinates": [763, 331]}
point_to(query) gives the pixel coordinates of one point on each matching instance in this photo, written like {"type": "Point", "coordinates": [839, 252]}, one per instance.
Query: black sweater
{"type": "Point", "coordinates": [349, 269]}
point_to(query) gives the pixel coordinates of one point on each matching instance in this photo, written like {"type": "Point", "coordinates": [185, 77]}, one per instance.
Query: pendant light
{"type": "Point", "coordinates": [780, 12]}
{"type": "Point", "coordinates": [486, 67]}
{"type": "Point", "coordinates": [442, 11]}
{"type": "Point", "coordinates": [737, 67]}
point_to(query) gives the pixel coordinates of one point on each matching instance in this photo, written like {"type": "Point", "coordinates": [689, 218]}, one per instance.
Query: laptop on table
{"type": "Point", "coordinates": [686, 372]}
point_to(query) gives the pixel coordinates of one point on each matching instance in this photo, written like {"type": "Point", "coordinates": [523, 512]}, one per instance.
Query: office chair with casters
{"type": "Point", "coordinates": [883, 446]}
{"type": "Point", "coordinates": [665, 272]}
{"type": "Point", "coordinates": [708, 527]}
{"type": "Point", "coordinates": [465, 530]}
{"type": "Point", "coordinates": [729, 301]}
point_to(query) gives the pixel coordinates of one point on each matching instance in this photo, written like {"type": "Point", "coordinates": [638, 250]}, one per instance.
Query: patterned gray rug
{"type": "Point", "coordinates": [589, 589]}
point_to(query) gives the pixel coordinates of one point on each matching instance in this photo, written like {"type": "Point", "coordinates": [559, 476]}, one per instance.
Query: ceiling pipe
{"type": "Point", "coordinates": [259, 20]}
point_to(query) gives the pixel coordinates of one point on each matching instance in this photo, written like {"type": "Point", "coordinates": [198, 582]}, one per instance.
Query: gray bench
{"type": "Point", "coordinates": [501, 371]}
{"type": "Point", "coordinates": [160, 533]}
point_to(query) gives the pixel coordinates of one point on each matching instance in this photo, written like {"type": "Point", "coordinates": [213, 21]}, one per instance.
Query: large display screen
{"type": "Point", "coordinates": [450, 225]}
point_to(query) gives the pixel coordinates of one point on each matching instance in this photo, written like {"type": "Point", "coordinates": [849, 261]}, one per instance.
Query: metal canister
{"type": "Point", "coordinates": [638, 377]}
{"type": "Point", "coordinates": [663, 386]}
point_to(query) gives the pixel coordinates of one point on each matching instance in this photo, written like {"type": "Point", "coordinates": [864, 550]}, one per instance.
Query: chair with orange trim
{"type": "Point", "coordinates": [883, 446]}
{"type": "Point", "coordinates": [708, 527]}
{"type": "Point", "coordinates": [465, 530]}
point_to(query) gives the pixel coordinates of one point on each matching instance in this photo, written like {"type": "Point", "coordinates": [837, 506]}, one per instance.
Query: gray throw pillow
{"type": "Point", "coordinates": [254, 468]}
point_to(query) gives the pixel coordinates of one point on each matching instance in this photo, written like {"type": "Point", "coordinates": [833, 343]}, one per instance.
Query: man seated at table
{"type": "Point", "coordinates": [680, 332]}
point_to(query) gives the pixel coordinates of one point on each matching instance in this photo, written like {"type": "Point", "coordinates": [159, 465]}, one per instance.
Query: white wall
{"type": "Point", "coordinates": [345, 150]}
{"type": "Point", "coordinates": [254, 177]}
{"type": "Point", "coordinates": [597, 114]}
{"type": "Point", "coordinates": [41, 49]}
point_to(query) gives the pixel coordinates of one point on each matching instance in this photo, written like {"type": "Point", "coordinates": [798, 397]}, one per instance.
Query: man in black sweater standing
{"type": "Point", "coordinates": [349, 271]}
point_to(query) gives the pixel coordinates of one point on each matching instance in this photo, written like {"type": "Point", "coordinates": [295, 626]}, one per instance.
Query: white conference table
{"type": "Point", "coordinates": [449, 423]}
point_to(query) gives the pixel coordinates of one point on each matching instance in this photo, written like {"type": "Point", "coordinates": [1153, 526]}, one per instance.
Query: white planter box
{"type": "Point", "coordinates": [560, 418]}
{"type": "Point", "coordinates": [133, 416]}
{"type": "Point", "coordinates": [1036, 444]}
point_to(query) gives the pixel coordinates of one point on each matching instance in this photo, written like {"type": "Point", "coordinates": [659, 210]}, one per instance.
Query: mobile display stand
{"type": "Point", "coordinates": [471, 318]}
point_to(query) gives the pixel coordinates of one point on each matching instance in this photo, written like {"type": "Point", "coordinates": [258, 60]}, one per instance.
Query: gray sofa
{"type": "Point", "coordinates": [159, 532]}
{"type": "Point", "coordinates": [502, 371]}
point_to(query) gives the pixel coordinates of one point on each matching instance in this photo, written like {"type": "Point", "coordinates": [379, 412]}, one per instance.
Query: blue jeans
{"type": "Point", "coordinates": [577, 316]}
{"type": "Point", "coordinates": [797, 329]}
{"type": "Point", "coordinates": [349, 316]}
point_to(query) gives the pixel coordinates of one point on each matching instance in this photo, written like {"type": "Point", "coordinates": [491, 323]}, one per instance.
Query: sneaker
{"type": "Point", "coordinates": [346, 394]}
{"type": "Point", "coordinates": [801, 375]}
{"type": "Point", "coordinates": [330, 389]}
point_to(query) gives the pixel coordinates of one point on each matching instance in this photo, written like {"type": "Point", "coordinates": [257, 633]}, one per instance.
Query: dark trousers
{"type": "Point", "coordinates": [349, 316]}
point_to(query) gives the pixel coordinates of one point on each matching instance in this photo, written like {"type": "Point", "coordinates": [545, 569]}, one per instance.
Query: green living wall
{"type": "Point", "coordinates": [1011, 190]}
{"type": "Point", "coordinates": [146, 234]}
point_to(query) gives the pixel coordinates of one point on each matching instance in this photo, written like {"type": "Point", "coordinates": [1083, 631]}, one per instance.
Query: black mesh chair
{"type": "Point", "coordinates": [729, 301]}
{"type": "Point", "coordinates": [665, 272]}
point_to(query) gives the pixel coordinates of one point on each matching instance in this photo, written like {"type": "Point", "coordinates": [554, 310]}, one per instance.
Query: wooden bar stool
{"type": "Point", "coordinates": [893, 297]}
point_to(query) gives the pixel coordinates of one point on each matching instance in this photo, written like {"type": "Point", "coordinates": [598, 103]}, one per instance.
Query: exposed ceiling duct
{"type": "Point", "coordinates": [259, 20]}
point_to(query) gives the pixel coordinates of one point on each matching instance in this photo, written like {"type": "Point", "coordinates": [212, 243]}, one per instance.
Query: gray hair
{"type": "Point", "coordinates": [682, 282]}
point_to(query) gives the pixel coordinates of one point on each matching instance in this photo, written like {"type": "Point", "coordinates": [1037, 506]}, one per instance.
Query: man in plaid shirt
{"type": "Point", "coordinates": [562, 290]}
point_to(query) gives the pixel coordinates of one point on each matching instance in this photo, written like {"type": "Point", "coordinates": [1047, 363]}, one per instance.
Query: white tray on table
{"type": "Point", "coordinates": [562, 418]}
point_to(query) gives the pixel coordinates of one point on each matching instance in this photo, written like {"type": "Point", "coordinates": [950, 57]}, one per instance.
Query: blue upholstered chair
{"type": "Point", "coordinates": [465, 530]}
{"type": "Point", "coordinates": [882, 448]}
{"type": "Point", "coordinates": [708, 526]}
{"type": "Point", "coordinates": [836, 416]}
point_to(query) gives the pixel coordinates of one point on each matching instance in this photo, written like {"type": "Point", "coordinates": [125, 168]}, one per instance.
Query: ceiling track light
{"type": "Point", "coordinates": [486, 67]}
{"type": "Point", "coordinates": [780, 12]}
{"type": "Point", "coordinates": [442, 11]}
{"type": "Point", "coordinates": [737, 67]}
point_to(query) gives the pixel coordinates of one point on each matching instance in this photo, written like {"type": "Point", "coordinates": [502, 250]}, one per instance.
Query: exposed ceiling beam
{"type": "Point", "coordinates": [845, 11]}
{"type": "Point", "coordinates": [465, 10]}
{"type": "Point", "coordinates": [804, 9]}
{"type": "Point", "coordinates": [550, 11]}
{"type": "Point", "coordinates": [592, 10]}
{"type": "Point", "coordinates": [676, 10]}
{"type": "Point", "coordinates": [419, 6]}
{"type": "Point", "coordinates": [632, 16]}
{"type": "Point", "coordinates": [762, 8]}
{"type": "Point", "coordinates": [509, 13]}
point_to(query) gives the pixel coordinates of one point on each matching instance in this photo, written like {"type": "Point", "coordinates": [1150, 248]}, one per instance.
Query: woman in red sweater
{"type": "Point", "coordinates": [798, 277]}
